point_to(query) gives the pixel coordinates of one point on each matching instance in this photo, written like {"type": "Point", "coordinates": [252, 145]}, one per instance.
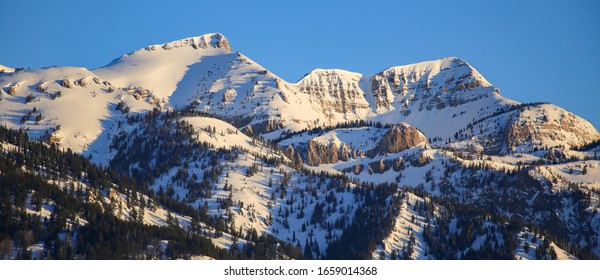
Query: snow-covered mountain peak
{"type": "Point", "coordinates": [441, 63]}
{"type": "Point", "coordinates": [454, 71]}
{"type": "Point", "coordinates": [210, 40]}
{"type": "Point", "coordinates": [160, 68]}
{"type": "Point", "coordinates": [339, 73]}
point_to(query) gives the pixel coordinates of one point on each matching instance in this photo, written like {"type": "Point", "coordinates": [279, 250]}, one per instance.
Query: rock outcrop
{"type": "Point", "coordinates": [398, 138]}
{"type": "Point", "coordinates": [317, 153]}
{"type": "Point", "coordinates": [546, 126]}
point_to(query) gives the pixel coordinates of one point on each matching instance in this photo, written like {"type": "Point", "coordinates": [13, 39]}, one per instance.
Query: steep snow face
{"type": "Point", "coordinates": [202, 73]}
{"type": "Point", "coordinates": [547, 126]}
{"type": "Point", "coordinates": [444, 98]}
{"type": "Point", "coordinates": [66, 105]}
{"type": "Point", "coordinates": [243, 91]}
{"type": "Point", "coordinates": [436, 84]}
{"type": "Point", "coordinates": [339, 93]}
{"type": "Point", "coordinates": [160, 68]}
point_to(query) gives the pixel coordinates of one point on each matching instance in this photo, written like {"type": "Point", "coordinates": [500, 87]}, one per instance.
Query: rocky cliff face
{"type": "Point", "coordinates": [430, 85]}
{"type": "Point", "coordinates": [427, 85]}
{"type": "Point", "coordinates": [446, 91]}
{"type": "Point", "coordinates": [317, 154]}
{"type": "Point", "coordinates": [399, 138]}
{"type": "Point", "coordinates": [339, 93]}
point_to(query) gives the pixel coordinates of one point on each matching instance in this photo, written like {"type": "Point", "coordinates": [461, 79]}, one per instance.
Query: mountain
{"type": "Point", "coordinates": [160, 68]}
{"type": "Point", "coordinates": [203, 73]}
{"type": "Point", "coordinates": [443, 98]}
{"type": "Point", "coordinates": [6, 69]}
{"type": "Point", "coordinates": [189, 142]}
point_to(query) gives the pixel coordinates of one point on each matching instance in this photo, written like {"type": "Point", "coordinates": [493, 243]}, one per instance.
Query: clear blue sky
{"type": "Point", "coordinates": [531, 50]}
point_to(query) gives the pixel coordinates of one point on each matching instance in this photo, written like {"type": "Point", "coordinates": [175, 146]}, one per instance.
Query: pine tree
{"type": "Point", "coordinates": [552, 253]}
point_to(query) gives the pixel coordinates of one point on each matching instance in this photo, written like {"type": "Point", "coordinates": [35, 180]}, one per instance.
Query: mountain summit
{"type": "Point", "coordinates": [159, 68]}
{"type": "Point", "coordinates": [211, 40]}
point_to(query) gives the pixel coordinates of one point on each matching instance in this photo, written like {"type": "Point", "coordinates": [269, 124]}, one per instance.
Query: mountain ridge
{"type": "Point", "coordinates": [335, 165]}
{"type": "Point", "coordinates": [203, 73]}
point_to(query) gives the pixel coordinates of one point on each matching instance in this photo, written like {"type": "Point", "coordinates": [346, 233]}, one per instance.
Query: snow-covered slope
{"type": "Point", "coordinates": [357, 138]}
{"type": "Point", "coordinates": [419, 217]}
{"type": "Point", "coordinates": [67, 105]}
{"type": "Point", "coordinates": [221, 134]}
{"type": "Point", "coordinates": [236, 88]}
{"type": "Point", "coordinates": [160, 68]}
{"type": "Point", "coordinates": [530, 244]}
{"type": "Point", "coordinates": [436, 84]}
{"type": "Point", "coordinates": [6, 69]}
{"type": "Point", "coordinates": [229, 175]}
{"type": "Point", "coordinates": [546, 126]}
{"type": "Point", "coordinates": [202, 73]}
{"type": "Point", "coordinates": [406, 238]}
{"type": "Point", "coordinates": [586, 173]}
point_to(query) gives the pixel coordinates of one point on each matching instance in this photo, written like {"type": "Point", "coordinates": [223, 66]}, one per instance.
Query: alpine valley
{"type": "Point", "coordinates": [189, 150]}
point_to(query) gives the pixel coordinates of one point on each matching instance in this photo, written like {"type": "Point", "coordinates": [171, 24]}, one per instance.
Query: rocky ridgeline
{"type": "Point", "coordinates": [398, 138]}
{"type": "Point", "coordinates": [214, 40]}
{"type": "Point", "coordinates": [429, 85]}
